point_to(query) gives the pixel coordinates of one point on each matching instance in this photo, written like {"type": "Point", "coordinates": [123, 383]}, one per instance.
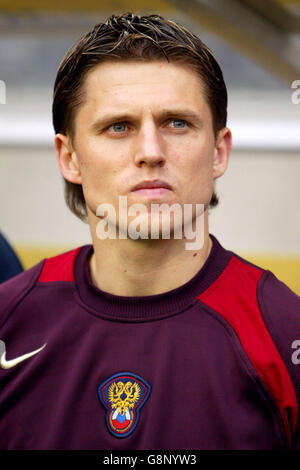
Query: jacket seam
{"type": "Point", "coordinates": [251, 371]}
{"type": "Point", "coordinates": [275, 339]}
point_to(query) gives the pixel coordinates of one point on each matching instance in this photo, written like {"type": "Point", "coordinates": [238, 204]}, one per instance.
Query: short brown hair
{"type": "Point", "coordinates": [143, 38]}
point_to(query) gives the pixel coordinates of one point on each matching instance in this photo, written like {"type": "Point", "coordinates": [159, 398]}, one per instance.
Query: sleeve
{"type": "Point", "coordinates": [13, 291]}
{"type": "Point", "coordinates": [280, 308]}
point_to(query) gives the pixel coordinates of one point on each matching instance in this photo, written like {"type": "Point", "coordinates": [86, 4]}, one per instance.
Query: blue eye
{"type": "Point", "coordinates": [180, 120]}
{"type": "Point", "coordinates": [118, 124]}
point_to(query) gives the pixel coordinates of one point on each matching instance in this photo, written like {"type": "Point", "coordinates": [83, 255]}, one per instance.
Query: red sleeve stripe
{"type": "Point", "coordinates": [59, 268]}
{"type": "Point", "coordinates": [233, 296]}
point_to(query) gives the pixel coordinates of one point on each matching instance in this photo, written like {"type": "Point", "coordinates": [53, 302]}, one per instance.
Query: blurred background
{"type": "Point", "coordinates": [257, 44]}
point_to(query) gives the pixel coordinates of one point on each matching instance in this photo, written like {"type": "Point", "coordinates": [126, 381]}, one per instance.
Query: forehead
{"type": "Point", "coordinates": [148, 83]}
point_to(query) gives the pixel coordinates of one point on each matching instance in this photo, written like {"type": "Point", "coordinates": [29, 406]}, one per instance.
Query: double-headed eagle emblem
{"type": "Point", "coordinates": [123, 395]}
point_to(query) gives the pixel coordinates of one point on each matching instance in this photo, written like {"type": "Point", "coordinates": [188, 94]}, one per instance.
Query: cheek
{"type": "Point", "coordinates": [101, 171]}
{"type": "Point", "coordinates": [95, 165]}
{"type": "Point", "coordinates": [198, 160]}
{"type": "Point", "coordinates": [197, 171]}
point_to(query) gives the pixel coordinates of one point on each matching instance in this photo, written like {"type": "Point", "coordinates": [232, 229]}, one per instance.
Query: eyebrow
{"type": "Point", "coordinates": [164, 114]}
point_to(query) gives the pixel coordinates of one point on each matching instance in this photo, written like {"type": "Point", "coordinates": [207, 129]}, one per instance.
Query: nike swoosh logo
{"type": "Point", "coordinates": [4, 364]}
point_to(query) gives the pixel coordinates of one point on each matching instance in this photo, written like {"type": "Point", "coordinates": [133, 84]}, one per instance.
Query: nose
{"type": "Point", "coordinates": [149, 146]}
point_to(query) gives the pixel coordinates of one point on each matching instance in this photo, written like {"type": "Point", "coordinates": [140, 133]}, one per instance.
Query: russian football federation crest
{"type": "Point", "coordinates": [123, 396]}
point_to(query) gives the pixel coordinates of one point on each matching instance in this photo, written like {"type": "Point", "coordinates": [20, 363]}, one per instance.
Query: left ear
{"type": "Point", "coordinates": [222, 152]}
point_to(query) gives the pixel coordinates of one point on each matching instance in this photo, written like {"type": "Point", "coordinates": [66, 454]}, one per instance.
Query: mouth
{"type": "Point", "coordinates": [152, 192]}
{"type": "Point", "coordinates": [152, 188]}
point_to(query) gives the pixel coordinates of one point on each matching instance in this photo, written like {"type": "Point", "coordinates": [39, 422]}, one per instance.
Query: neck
{"type": "Point", "coordinates": [127, 267]}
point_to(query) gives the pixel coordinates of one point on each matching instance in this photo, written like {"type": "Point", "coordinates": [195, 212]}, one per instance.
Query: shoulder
{"type": "Point", "coordinates": [280, 309]}
{"type": "Point", "coordinates": [49, 270]}
{"type": "Point", "coordinates": [60, 267]}
{"type": "Point", "coordinates": [275, 296]}
{"type": "Point", "coordinates": [265, 314]}
{"type": "Point", "coordinates": [15, 289]}
{"type": "Point", "coordinates": [279, 306]}
{"type": "Point", "coordinates": [271, 293]}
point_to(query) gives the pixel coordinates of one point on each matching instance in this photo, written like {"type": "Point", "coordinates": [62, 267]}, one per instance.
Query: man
{"type": "Point", "coordinates": [139, 342]}
{"type": "Point", "coordinates": [10, 264]}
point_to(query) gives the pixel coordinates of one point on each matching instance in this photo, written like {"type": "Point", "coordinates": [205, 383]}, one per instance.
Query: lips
{"type": "Point", "coordinates": [151, 184]}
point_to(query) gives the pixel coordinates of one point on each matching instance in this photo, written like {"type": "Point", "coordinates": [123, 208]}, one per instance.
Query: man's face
{"type": "Point", "coordinates": [145, 121]}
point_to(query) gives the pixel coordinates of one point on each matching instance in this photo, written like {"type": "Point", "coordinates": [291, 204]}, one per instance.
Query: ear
{"type": "Point", "coordinates": [67, 159]}
{"type": "Point", "coordinates": [222, 152]}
